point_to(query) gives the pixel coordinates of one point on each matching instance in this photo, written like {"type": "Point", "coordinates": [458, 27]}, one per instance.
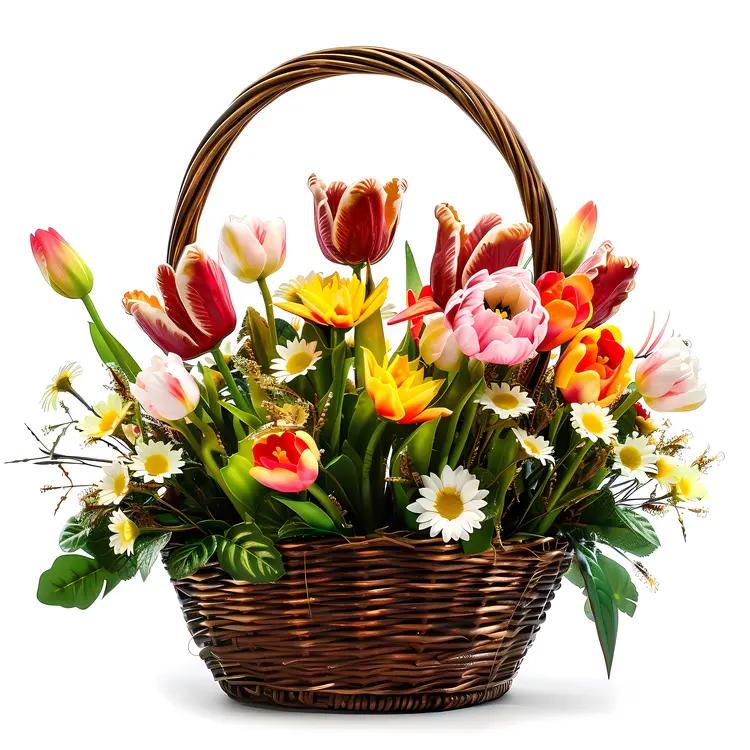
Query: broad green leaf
{"type": "Point", "coordinates": [404, 495]}
{"type": "Point", "coordinates": [209, 386]}
{"type": "Point", "coordinates": [480, 539]}
{"type": "Point", "coordinates": [72, 581]}
{"type": "Point", "coordinates": [190, 557]}
{"type": "Point", "coordinates": [245, 417]}
{"type": "Point", "coordinates": [597, 510]}
{"type": "Point", "coordinates": [111, 351]}
{"type": "Point", "coordinates": [271, 516]}
{"type": "Point", "coordinates": [247, 492]}
{"type": "Point", "coordinates": [629, 531]}
{"type": "Point", "coordinates": [413, 281]}
{"type": "Point", "coordinates": [146, 551]}
{"type": "Point", "coordinates": [624, 592]}
{"type": "Point", "coordinates": [626, 424]}
{"type": "Point", "coordinates": [346, 478]}
{"type": "Point", "coordinates": [601, 599]}
{"type": "Point", "coordinates": [418, 447]}
{"type": "Point", "coordinates": [247, 555]}
{"type": "Point", "coordinates": [356, 458]}
{"type": "Point", "coordinates": [308, 512]}
{"type": "Point", "coordinates": [364, 421]}
{"type": "Point", "coordinates": [573, 574]}
{"type": "Point", "coordinates": [74, 535]}
{"type": "Point", "coordinates": [296, 527]}
{"type": "Point", "coordinates": [284, 332]}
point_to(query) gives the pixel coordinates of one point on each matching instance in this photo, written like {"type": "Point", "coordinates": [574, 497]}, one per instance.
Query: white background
{"type": "Point", "coordinates": [641, 107]}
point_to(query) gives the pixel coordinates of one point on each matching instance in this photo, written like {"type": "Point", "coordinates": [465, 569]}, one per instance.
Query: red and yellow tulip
{"type": "Point", "coordinates": [285, 460]}
{"type": "Point", "coordinates": [62, 267]}
{"type": "Point", "coordinates": [568, 302]}
{"type": "Point", "coordinates": [594, 368]}
{"type": "Point", "coordinates": [576, 237]}
{"type": "Point", "coordinates": [400, 390]}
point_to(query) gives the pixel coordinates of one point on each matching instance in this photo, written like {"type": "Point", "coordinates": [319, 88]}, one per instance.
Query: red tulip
{"type": "Point", "coordinates": [197, 314]}
{"type": "Point", "coordinates": [613, 277]}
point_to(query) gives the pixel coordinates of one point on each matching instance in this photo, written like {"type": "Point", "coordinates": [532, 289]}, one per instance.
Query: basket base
{"type": "Point", "coordinates": [388, 703]}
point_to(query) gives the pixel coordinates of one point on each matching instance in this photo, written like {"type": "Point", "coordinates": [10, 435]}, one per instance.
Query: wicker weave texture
{"type": "Point", "coordinates": [380, 624]}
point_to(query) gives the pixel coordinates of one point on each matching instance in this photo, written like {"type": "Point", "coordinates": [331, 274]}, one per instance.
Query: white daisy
{"type": "Point", "coordinates": [450, 504]}
{"type": "Point", "coordinates": [688, 484]}
{"type": "Point", "coordinates": [288, 290]}
{"type": "Point", "coordinates": [388, 311]}
{"type": "Point", "coordinates": [593, 422]}
{"type": "Point", "coordinates": [155, 461]}
{"type": "Point", "coordinates": [296, 358]}
{"type": "Point", "coordinates": [636, 458]}
{"type": "Point", "coordinates": [506, 402]}
{"type": "Point", "coordinates": [124, 533]}
{"type": "Point", "coordinates": [114, 485]}
{"type": "Point", "coordinates": [535, 446]}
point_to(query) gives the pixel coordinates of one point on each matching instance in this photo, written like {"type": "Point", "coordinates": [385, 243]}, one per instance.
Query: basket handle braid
{"type": "Point", "coordinates": [317, 66]}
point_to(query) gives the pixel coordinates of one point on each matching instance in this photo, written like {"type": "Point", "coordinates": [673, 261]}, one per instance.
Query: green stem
{"type": "Point", "coordinates": [563, 483]}
{"type": "Point", "coordinates": [268, 302]}
{"type": "Point", "coordinates": [554, 425]}
{"type": "Point", "coordinates": [368, 512]}
{"type": "Point", "coordinates": [121, 356]}
{"type": "Point", "coordinates": [184, 430]}
{"type": "Point", "coordinates": [221, 363]}
{"type": "Point", "coordinates": [626, 404]}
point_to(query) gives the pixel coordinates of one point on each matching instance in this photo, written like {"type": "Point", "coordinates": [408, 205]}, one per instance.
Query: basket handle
{"type": "Point", "coordinates": [316, 66]}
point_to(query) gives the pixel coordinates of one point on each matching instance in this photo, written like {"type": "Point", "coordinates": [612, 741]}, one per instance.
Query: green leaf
{"type": "Point", "coordinates": [346, 477]}
{"type": "Point", "coordinates": [296, 527]}
{"type": "Point", "coordinates": [74, 535]}
{"type": "Point", "coordinates": [418, 446]}
{"type": "Point", "coordinates": [308, 512]}
{"type": "Point", "coordinates": [601, 599]}
{"type": "Point", "coordinates": [247, 555]}
{"type": "Point", "coordinates": [271, 516]}
{"type": "Point", "coordinates": [369, 333]}
{"type": "Point", "coordinates": [257, 328]}
{"type": "Point", "coordinates": [284, 332]}
{"type": "Point", "coordinates": [340, 364]}
{"type": "Point", "coordinates": [245, 417]}
{"type": "Point", "coordinates": [627, 530]}
{"type": "Point", "coordinates": [626, 424]}
{"type": "Point", "coordinates": [112, 352]}
{"type": "Point", "coordinates": [72, 581]}
{"type": "Point", "coordinates": [146, 551]}
{"type": "Point", "coordinates": [573, 574]}
{"type": "Point", "coordinates": [209, 385]}
{"type": "Point", "coordinates": [413, 281]}
{"type": "Point", "coordinates": [624, 592]}
{"type": "Point", "coordinates": [363, 423]}
{"type": "Point", "coordinates": [247, 492]}
{"type": "Point", "coordinates": [190, 557]}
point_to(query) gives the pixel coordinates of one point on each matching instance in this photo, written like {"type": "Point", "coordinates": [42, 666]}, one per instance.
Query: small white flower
{"type": "Point", "coordinates": [155, 461]}
{"type": "Point", "coordinates": [506, 402]}
{"type": "Point", "coordinates": [114, 485]}
{"type": "Point", "coordinates": [297, 324]}
{"type": "Point", "coordinates": [535, 446]}
{"type": "Point", "coordinates": [636, 458]}
{"type": "Point", "coordinates": [450, 504]}
{"type": "Point", "coordinates": [593, 422]}
{"type": "Point", "coordinates": [124, 533]}
{"type": "Point", "coordinates": [297, 358]}
{"type": "Point", "coordinates": [288, 290]}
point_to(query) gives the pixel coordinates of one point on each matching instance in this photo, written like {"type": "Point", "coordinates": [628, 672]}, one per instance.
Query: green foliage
{"type": "Point", "coordinates": [413, 282]}
{"type": "Point", "coordinates": [123, 566]}
{"type": "Point", "coordinates": [146, 551]}
{"type": "Point", "coordinates": [257, 328]}
{"type": "Point", "coordinates": [624, 592]}
{"type": "Point", "coordinates": [284, 332]}
{"type": "Point", "coordinates": [72, 581]}
{"type": "Point", "coordinates": [296, 527]}
{"type": "Point", "coordinates": [309, 512]}
{"type": "Point", "coordinates": [190, 557]}
{"type": "Point", "coordinates": [247, 492]}
{"type": "Point", "coordinates": [340, 365]}
{"type": "Point", "coordinates": [113, 353]}
{"type": "Point", "coordinates": [627, 530]}
{"type": "Point", "coordinates": [74, 535]}
{"type": "Point", "coordinates": [247, 555]}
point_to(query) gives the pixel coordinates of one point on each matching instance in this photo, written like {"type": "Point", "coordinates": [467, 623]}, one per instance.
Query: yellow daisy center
{"type": "Point", "coordinates": [156, 464]}
{"type": "Point", "coordinates": [119, 484]}
{"type": "Point", "coordinates": [531, 447]}
{"type": "Point", "coordinates": [663, 469]}
{"type": "Point", "coordinates": [128, 531]}
{"type": "Point", "coordinates": [280, 455]}
{"type": "Point", "coordinates": [505, 401]}
{"type": "Point", "coordinates": [448, 503]}
{"type": "Point", "coordinates": [298, 362]}
{"type": "Point", "coordinates": [108, 420]}
{"type": "Point", "coordinates": [684, 487]}
{"type": "Point", "coordinates": [630, 457]}
{"type": "Point", "coordinates": [62, 383]}
{"type": "Point", "coordinates": [593, 423]}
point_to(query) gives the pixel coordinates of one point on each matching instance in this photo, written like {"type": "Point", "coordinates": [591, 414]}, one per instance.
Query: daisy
{"type": "Point", "coordinates": [666, 467]}
{"type": "Point", "coordinates": [109, 415]}
{"type": "Point", "coordinates": [593, 422]}
{"type": "Point", "coordinates": [288, 290]}
{"type": "Point", "coordinates": [688, 483]}
{"type": "Point", "coordinates": [124, 533]}
{"type": "Point", "coordinates": [388, 311]}
{"type": "Point", "coordinates": [113, 486]}
{"type": "Point", "coordinates": [156, 461]}
{"type": "Point", "coordinates": [61, 383]}
{"type": "Point", "coordinates": [506, 402]}
{"type": "Point", "coordinates": [450, 504]}
{"type": "Point", "coordinates": [535, 446]}
{"type": "Point", "coordinates": [636, 458]}
{"type": "Point", "coordinates": [296, 358]}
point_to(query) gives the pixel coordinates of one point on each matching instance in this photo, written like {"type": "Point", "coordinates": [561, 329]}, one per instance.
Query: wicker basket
{"type": "Point", "coordinates": [394, 623]}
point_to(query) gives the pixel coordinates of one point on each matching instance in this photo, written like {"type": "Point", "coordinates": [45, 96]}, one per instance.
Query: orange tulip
{"type": "Point", "coordinates": [595, 367]}
{"type": "Point", "coordinates": [400, 390]}
{"type": "Point", "coordinates": [568, 302]}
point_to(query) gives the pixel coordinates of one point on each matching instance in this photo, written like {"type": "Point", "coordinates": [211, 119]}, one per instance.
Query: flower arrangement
{"type": "Point", "coordinates": [511, 410]}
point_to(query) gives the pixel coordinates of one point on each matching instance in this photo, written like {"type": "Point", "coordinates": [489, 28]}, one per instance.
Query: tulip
{"type": "Point", "coordinates": [594, 369]}
{"type": "Point", "coordinates": [576, 237]}
{"type": "Point", "coordinates": [166, 390]}
{"type": "Point", "coordinates": [400, 391]}
{"type": "Point", "coordinates": [491, 246]}
{"type": "Point", "coordinates": [613, 279]}
{"type": "Point", "coordinates": [197, 314]}
{"type": "Point", "coordinates": [60, 264]}
{"type": "Point", "coordinates": [356, 224]}
{"type": "Point", "coordinates": [438, 345]}
{"type": "Point", "coordinates": [568, 302]}
{"type": "Point", "coordinates": [668, 379]}
{"type": "Point", "coordinates": [285, 461]}
{"type": "Point", "coordinates": [252, 249]}
{"type": "Point", "coordinates": [498, 317]}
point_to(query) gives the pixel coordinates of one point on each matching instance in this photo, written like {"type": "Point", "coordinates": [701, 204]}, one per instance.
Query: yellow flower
{"type": "Point", "coordinates": [333, 301]}
{"type": "Point", "coordinates": [688, 483]}
{"type": "Point", "coordinates": [666, 466]}
{"type": "Point", "coordinates": [62, 383]}
{"type": "Point", "coordinates": [109, 415]}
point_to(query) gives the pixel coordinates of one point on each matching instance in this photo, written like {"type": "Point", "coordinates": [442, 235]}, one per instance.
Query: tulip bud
{"type": "Point", "coordinates": [61, 266]}
{"type": "Point", "coordinates": [668, 378]}
{"type": "Point", "coordinates": [576, 237]}
{"type": "Point", "coordinates": [252, 249]}
{"type": "Point", "coordinates": [166, 390]}
{"type": "Point", "coordinates": [438, 345]}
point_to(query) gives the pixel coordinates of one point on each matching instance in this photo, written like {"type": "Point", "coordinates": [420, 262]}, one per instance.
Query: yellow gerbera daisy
{"type": "Point", "coordinates": [62, 383]}
{"type": "Point", "coordinates": [109, 415]}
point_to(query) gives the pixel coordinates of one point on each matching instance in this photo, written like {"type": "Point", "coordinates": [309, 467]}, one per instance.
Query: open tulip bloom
{"type": "Point", "coordinates": [510, 409]}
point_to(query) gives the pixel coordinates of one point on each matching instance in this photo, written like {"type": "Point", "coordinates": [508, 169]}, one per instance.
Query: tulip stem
{"type": "Point", "coordinates": [239, 400]}
{"type": "Point", "coordinates": [268, 302]}
{"type": "Point", "coordinates": [626, 404]}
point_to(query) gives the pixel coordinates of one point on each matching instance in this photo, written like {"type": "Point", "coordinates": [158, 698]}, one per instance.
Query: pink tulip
{"type": "Point", "coordinates": [356, 224]}
{"type": "Point", "coordinates": [166, 390]}
{"type": "Point", "coordinates": [498, 317]}
{"type": "Point", "coordinates": [252, 249]}
{"type": "Point", "coordinates": [197, 314]}
{"type": "Point", "coordinates": [61, 266]}
{"type": "Point", "coordinates": [668, 378]}
{"type": "Point", "coordinates": [613, 279]}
